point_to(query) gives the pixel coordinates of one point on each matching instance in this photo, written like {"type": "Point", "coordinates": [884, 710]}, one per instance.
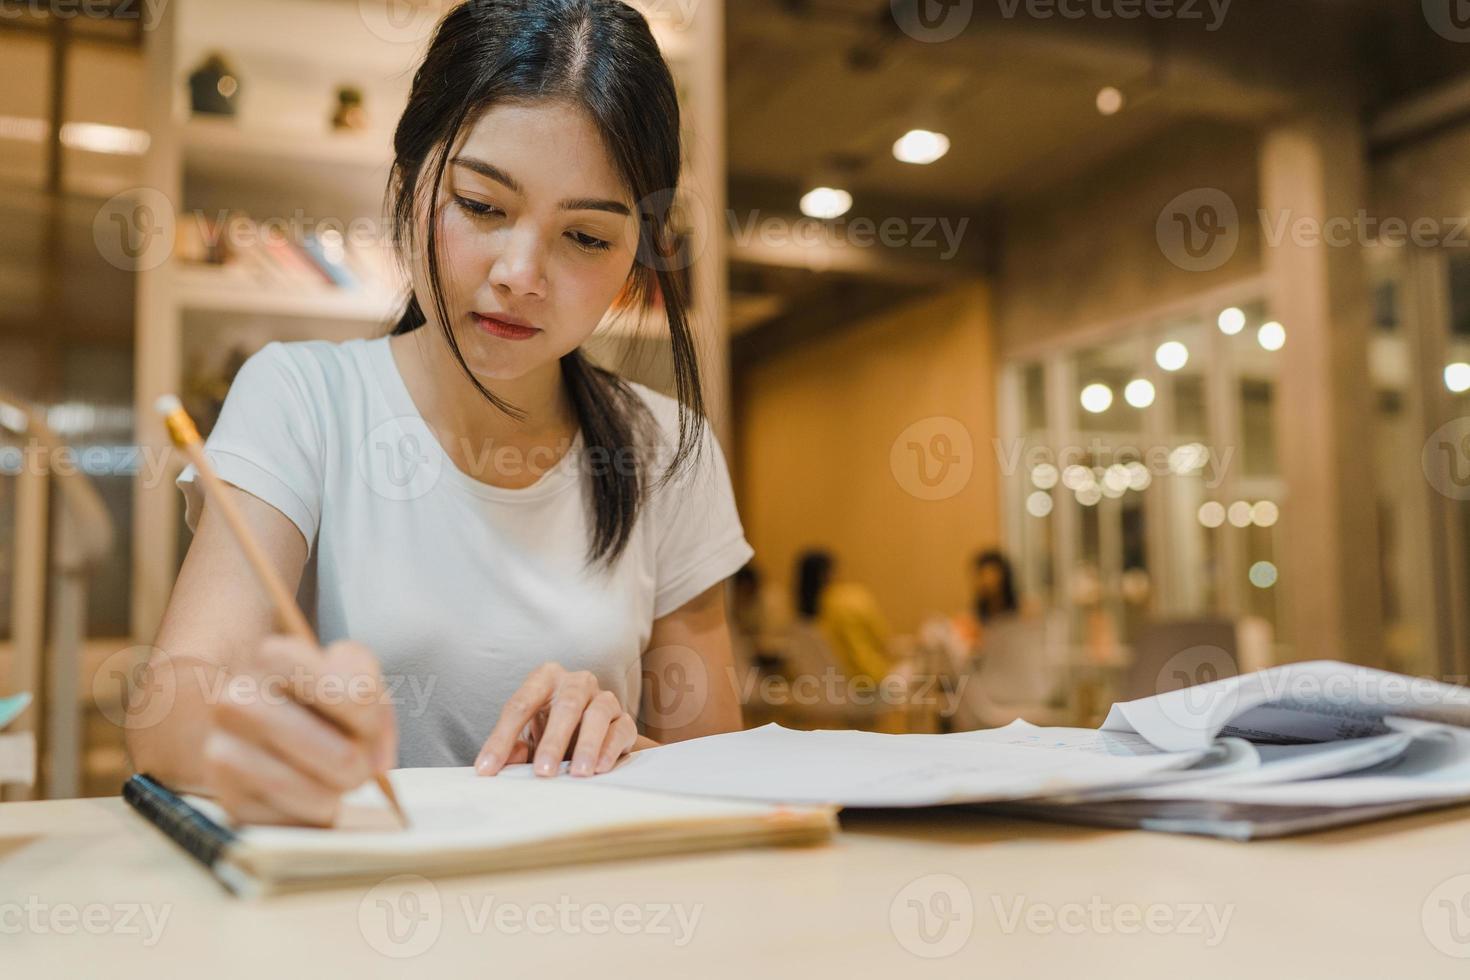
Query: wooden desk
{"type": "Point", "coordinates": [1363, 902]}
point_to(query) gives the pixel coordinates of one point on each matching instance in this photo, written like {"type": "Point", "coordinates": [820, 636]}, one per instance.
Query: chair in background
{"type": "Point", "coordinates": [811, 670]}
{"type": "Point", "coordinates": [1020, 674]}
{"type": "Point", "coordinates": [55, 554]}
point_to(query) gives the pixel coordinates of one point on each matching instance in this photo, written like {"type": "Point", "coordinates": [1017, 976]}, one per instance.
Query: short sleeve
{"type": "Point", "coordinates": [267, 442]}
{"type": "Point", "coordinates": [700, 538]}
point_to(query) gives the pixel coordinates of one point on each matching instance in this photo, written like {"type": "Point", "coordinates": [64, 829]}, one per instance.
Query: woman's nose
{"type": "Point", "coordinates": [520, 267]}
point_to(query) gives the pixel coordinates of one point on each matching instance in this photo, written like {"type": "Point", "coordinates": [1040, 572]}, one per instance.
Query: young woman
{"type": "Point", "coordinates": [499, 539]}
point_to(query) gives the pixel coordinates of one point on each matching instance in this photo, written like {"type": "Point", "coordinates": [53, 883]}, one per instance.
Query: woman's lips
{"type": "Point", "coordinates": [502, 329]}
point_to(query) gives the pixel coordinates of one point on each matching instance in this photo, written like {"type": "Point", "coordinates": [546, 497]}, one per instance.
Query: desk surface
{"type": "Point", "coordinates": [87, 889]}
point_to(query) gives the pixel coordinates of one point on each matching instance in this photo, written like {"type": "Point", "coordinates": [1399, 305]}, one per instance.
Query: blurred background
{"type": "Point", "coordinates": [1063, 351]}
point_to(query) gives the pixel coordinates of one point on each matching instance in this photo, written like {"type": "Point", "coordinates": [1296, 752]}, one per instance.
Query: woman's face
{"type": "Point", "coordinates": [537, 227]}
{"type": "Point", "coordinates": [986, 579]}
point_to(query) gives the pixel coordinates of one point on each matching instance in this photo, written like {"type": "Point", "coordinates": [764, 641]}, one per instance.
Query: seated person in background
{"type": "Point", "coordinates": [993, 585]}
{"type": "Point", "coordinates": [756, 621]}
{"type": "Point", "coordinates": [993, 591]}
{"type": "Point", "coordinates": [847, 615]}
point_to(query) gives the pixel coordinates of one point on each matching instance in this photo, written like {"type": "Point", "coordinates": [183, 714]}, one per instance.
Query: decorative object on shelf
{"type": "Point", "coordinates": [214, 88]}
{"type": "Point", "coordinates": [349, 114]}
{"type": "Point", "coordinates": [205, 386]}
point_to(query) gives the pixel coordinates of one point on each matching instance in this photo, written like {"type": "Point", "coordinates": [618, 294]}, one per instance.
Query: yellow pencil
{"type": "Point", "coordinates": [185, 435]}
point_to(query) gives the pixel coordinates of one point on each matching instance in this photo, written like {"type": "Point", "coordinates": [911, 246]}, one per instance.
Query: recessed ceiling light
{"type": "Point", "coordinates": [825, 202]}
{"type": "Point", "coordinates": [920, 146]}
{"type": "Point", "coordinates": [1109, 101]}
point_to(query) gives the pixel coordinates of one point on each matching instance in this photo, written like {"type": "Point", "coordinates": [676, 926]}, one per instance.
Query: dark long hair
{"type": "Point", "coordinates": [600, 55]}
{"type": "Point", "coordinates": [986, 606]}
{"type": "Point", "coordinates": [813, 572]}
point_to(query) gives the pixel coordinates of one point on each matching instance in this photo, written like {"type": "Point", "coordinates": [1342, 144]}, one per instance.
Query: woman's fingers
{"type": "Point", "coordinates": [254, 785]}
{"type": "Point", "coordinates": [299, 736]}
{"type": "Point", "coordinates": [574, 693]}
{"type": "Point", "coordinates": [621, 737]}
{"type": "Point", "coordinates": [596, 721]}
{"type": "Point", "coordinates": [342, 683]}
{"type": "Point", "coordinates": [529, 698]}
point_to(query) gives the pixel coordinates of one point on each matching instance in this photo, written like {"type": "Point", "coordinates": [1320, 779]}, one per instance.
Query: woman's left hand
{"type": "Point", "coordinates": [558, 714]}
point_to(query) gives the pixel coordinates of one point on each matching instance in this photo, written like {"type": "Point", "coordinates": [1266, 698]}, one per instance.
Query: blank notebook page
{"type": "Point", "coordinates": [452, 809]}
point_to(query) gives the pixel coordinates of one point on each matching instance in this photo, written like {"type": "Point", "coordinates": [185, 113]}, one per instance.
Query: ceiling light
{"type": "Point", "coordinates": [920, 146]}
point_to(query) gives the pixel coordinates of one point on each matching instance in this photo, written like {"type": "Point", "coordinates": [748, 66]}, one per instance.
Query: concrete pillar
{"type": "Point", "coordinates": [1313, 171]}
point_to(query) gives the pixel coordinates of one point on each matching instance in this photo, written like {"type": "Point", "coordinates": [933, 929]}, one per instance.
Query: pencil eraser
{"type": "Point", "coordinates": [167, 404]}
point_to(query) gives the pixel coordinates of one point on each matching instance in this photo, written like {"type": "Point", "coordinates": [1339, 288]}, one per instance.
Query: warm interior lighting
{"type": "Point", "coordinates": [1263, 575]}
{"type": "Point", "coordinates": [1109, 101]}
{"type": "Point", "coordinates": [825, 202]}
{"type": "Point", "coordinates": [1097, 398]}
{"type": "Point", "coordinates": [90, 137]}
{"type": "Point", "coordinates": [1171, 355]}
{"type": "Point", "coordinates": [1457, 377]}
{"type": "Point", "coordinates": [1231, 321]}
{"type": "Point", "coordinates": [1271, 336]}
{"type": "Point", "coordinates": [1044, 476]}
{"type": "Point", "coordinates": [1139, 393]}
{"type": "Point", "coordinates": [920, 146]}
{"type": "Point", "coordinates": [1212, 513]}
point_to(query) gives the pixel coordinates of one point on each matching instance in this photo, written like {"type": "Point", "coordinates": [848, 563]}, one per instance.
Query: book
{"type": "Point", "coordinates": [462, 823]}
{"type": "Point", "coordinates": [1295, 748]}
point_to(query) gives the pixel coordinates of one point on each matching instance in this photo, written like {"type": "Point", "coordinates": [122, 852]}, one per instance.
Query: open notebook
{"type": "Point", "coordinates": [463, 823]}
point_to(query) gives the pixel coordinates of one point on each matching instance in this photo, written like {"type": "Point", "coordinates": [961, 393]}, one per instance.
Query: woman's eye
{"type": "Point", "coordinates": [590, 243]}
{"type": "Point", "coordinates": [477, 208]}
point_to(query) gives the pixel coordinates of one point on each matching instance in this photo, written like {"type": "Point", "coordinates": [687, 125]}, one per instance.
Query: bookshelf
{"type": "Point", "coordinates": [278, 157]}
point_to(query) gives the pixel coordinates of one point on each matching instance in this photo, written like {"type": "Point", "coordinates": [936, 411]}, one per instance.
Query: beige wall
{"type": "Point", "coordinates": [814, 430]}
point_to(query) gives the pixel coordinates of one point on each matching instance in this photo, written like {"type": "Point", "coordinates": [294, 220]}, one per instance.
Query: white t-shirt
{"type": "Point", "coordinates": [459, 587]}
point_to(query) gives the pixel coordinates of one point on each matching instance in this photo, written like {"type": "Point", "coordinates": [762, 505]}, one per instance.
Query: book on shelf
{"type": "Point", "coordinates": [242, 252]}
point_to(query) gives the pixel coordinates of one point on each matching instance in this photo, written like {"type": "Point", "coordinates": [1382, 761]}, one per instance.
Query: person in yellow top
{"type": "Point", "coordinates": [847, 615]}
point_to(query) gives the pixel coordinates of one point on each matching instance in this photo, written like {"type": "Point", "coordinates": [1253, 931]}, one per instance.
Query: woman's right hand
{"type": "Point", "coordinates": [294, 728]}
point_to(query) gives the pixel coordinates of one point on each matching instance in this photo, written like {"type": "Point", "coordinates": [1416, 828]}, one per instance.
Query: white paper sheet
{"type": "Point", "coordinates": [1316, 701]}
{"type": "Point", "coordinates": [1434, 765]}
{"type": "Point", "coordinates": [868, 769]}
{"type": "Point", "coordinates": [1273, 764]}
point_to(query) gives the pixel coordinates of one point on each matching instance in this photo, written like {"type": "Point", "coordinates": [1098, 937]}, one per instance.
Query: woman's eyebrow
{"type": "Point", "coordinates": [486, 169]}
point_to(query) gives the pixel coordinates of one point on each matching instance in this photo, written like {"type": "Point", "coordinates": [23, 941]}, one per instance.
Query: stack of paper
{"type": "Point", "coordinates": [17, 749]}
{"type": "Point", "coordinates": [1293, 748]}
